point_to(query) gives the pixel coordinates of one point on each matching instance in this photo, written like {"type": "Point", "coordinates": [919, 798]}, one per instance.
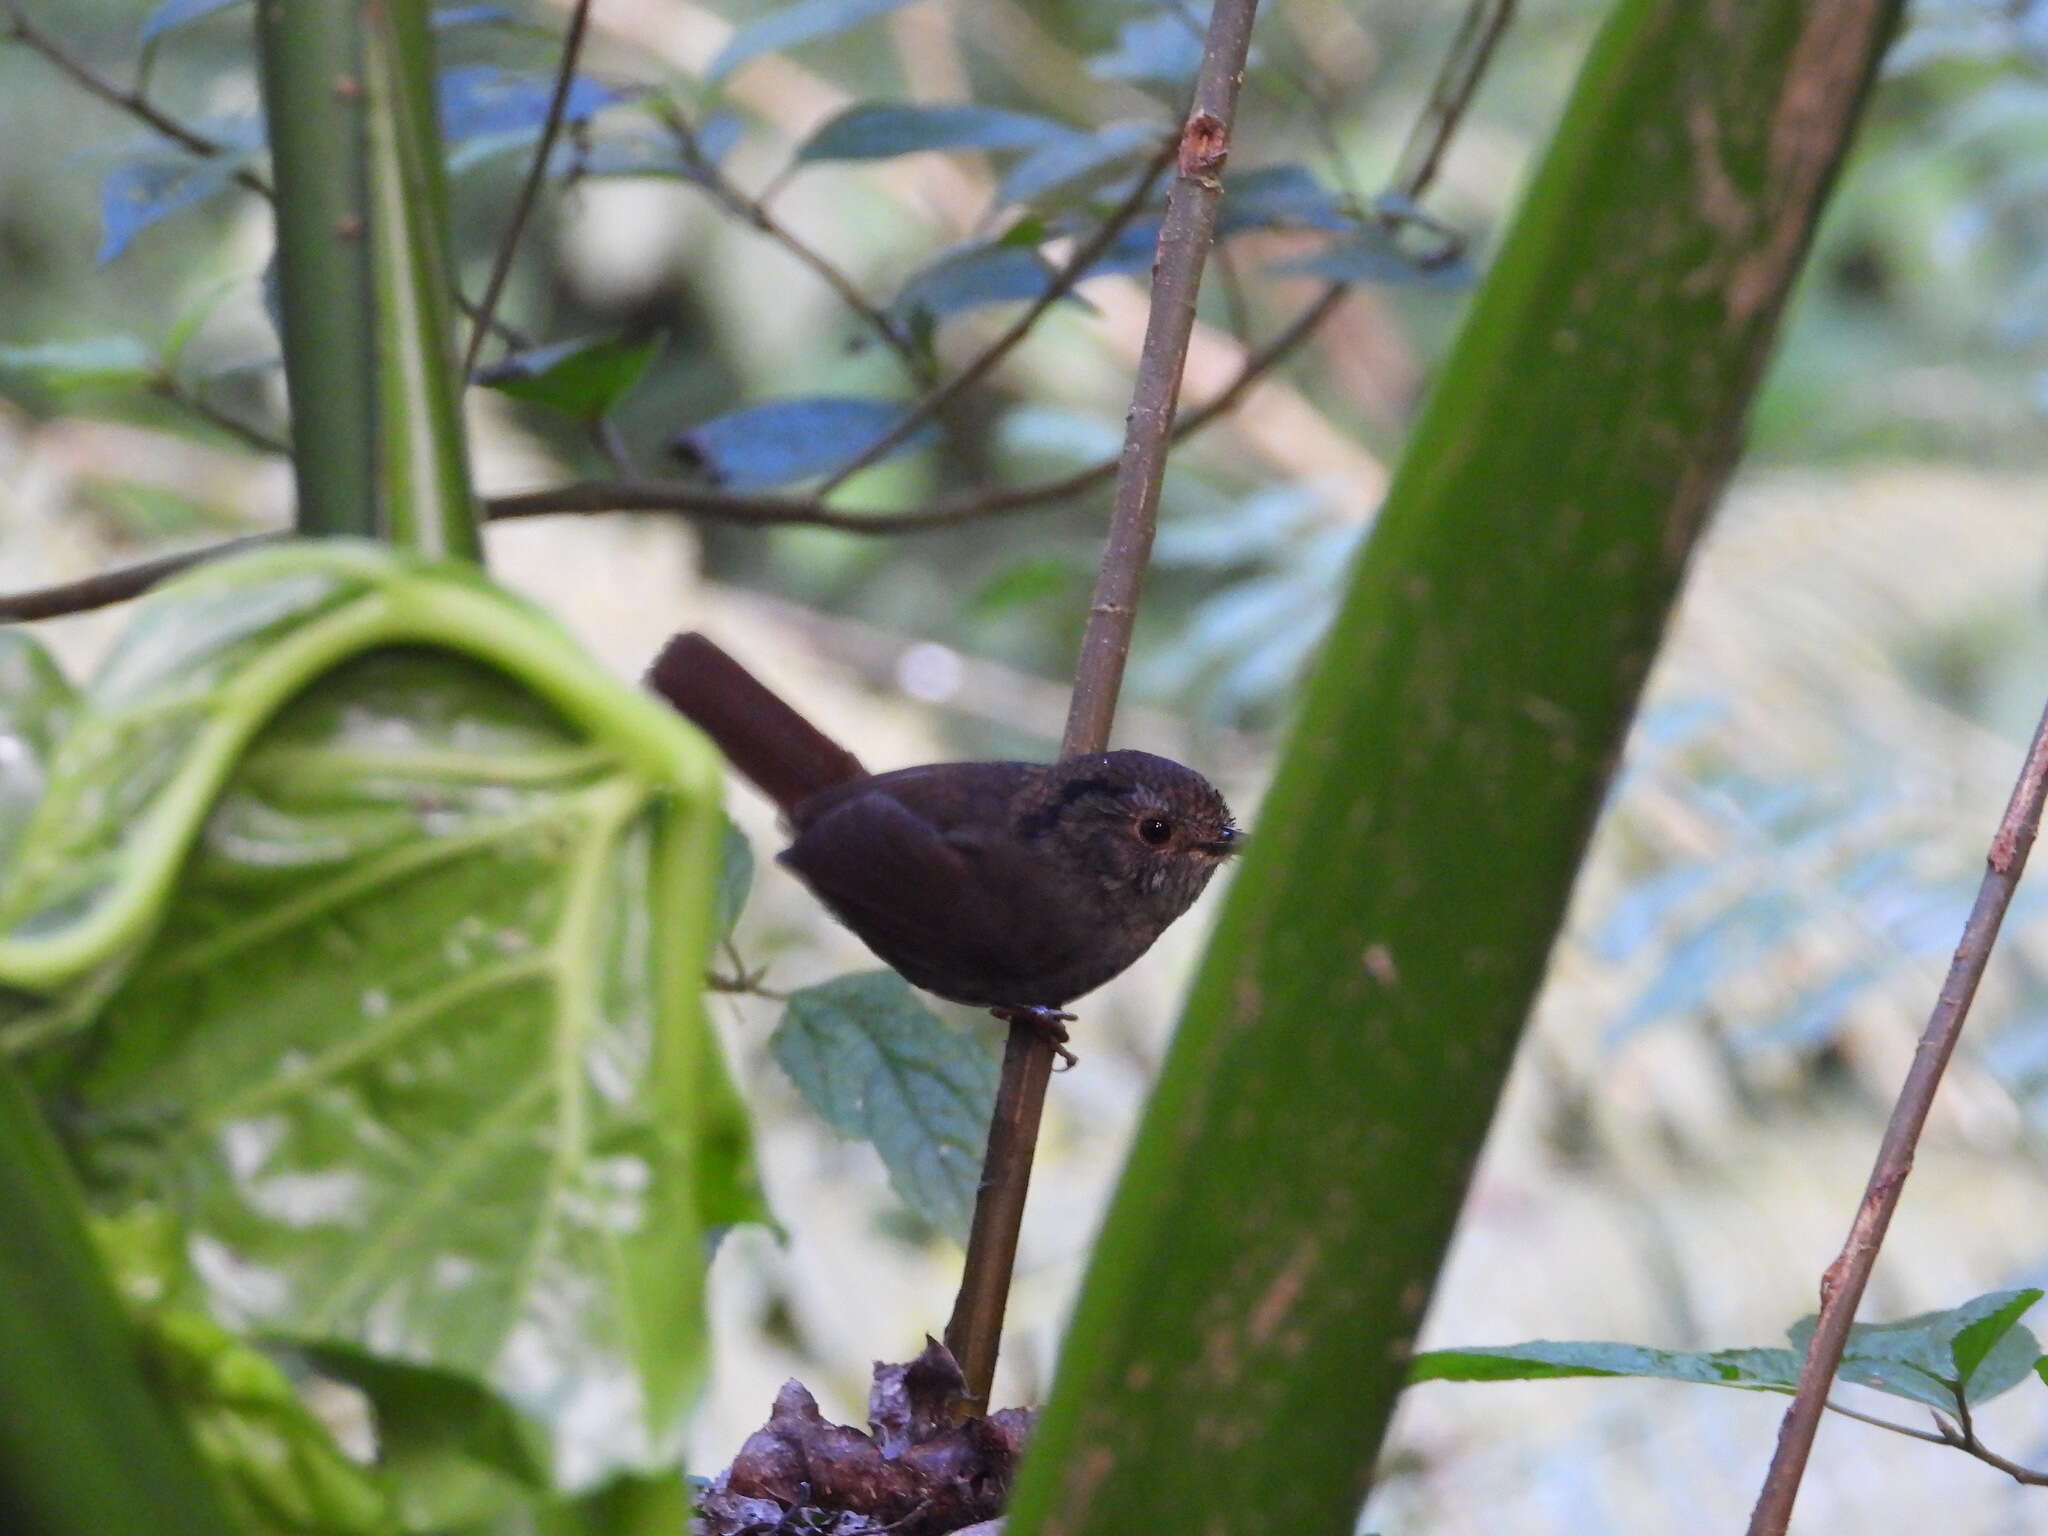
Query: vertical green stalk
{"type": "Point", "coordinates": [364, 274]}
{"type": "Point", "coordinates": [427, 500]}
{"type": "Point", "coordinates": [312, 97]}
{"type": "Point", "coordinates": [1247, 1318]}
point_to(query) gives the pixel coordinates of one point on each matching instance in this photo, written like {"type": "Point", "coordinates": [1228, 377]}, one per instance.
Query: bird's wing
{"type": "Point", "coordinates": [938, 903]}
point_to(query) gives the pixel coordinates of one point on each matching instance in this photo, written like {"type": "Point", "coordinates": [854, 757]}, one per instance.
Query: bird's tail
{"type": "Point", "coordinates": [785, 756]}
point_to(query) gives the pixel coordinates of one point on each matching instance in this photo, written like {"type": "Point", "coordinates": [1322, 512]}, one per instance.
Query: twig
{"type": "Point", "coordinates": [754, 212]}
{"type": "Point", "coordinates": [1062, 282]}
{"type": "Point", "coordinates": [529, 194]}
{"type": "Point", "coordinates": [975, 1332]}
{"type": "Point", "coordinates": [32, 37]}
{"type": "Point", "coordinates": [119, 584]}
{"type": "Point", "coordinates": [1479, 32]}
{"type": "Point", "coordinates": [194, 400]}
{"type": "Point", "coordinates": [1842, 1286]}
{"type": "Point", "coordinates": [708, 504]}
{"type": "Point", "coordinates": [1963, 1436]}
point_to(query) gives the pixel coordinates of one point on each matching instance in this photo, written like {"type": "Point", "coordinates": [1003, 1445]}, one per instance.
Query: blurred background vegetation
{"type": "Point", "coordinates": [1792, 842]}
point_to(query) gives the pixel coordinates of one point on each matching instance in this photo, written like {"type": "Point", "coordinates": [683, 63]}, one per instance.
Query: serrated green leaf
{"type": "Point", "coordinates": [878, 1065]}
{"type": "Point", "coordinates": [1974, 1345]}
{"type": "Point", "coordinates": [1917, 1357]}
{"type": "Point", "coordinates": [1760, 1370]}
{"type": "Point", "coordinates": [413, 1043]}
{"type": "Point", "coordinates": [583, 378]}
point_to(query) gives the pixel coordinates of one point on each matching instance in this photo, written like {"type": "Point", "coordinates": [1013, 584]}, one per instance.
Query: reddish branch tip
{"type": "Point", "coordinates": [1204, 146]}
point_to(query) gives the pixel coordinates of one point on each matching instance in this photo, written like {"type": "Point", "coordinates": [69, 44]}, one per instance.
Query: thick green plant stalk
{"type": "Point", "coordinates": [84, 1445]}
{"type": "Point", "coordinates": [363, 273]}
{"type": "Point", "coordinates": [312, 100]}
{"type": "Point", "coordinates": [1265, 1265]}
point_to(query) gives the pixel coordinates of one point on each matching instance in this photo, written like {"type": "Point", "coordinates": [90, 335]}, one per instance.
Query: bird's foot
{"type": "Point", "coordinates": [1049, 1023]}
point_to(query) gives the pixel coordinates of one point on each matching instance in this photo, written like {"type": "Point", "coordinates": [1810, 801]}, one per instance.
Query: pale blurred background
{"type": "Point", "coordinates": [1770, 900]}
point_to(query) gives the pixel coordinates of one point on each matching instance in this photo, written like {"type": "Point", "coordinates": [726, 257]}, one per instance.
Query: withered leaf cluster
{"type": "Point", "coordinates": [913, 1472]}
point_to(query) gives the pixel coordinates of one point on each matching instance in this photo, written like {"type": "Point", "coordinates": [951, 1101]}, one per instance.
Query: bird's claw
{"type": "Point", "coordinates": [1051, 1026]}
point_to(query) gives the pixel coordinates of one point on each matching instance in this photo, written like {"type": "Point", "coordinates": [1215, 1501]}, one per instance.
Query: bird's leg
{"type": "Point", "coordinates": [1049, 1022]}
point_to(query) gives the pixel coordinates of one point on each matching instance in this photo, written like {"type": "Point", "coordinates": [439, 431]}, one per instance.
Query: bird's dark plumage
{"type": "Point", "coordinates": [1005, 884]}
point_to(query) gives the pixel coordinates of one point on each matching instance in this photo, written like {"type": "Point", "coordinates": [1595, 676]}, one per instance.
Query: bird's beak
{"type": "Point", "coordinates": [1230, 840]}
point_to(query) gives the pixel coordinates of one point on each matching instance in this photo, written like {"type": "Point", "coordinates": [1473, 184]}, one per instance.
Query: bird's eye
{"type": "Point", "coordinates": [1156, 830]}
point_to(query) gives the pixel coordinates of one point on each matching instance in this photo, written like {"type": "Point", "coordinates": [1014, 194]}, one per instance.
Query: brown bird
{"type": "Point", "coordinates": [1012, 886]}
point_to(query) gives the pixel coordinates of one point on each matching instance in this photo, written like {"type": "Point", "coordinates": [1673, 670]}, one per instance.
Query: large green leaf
{"type": "Point", "coordinates": [1243, 1330]}
{"type": "Point", "coordinates": [1970, 1353]}
{"type": "Point", "coordinates": [85, 1446]}
{"type": "Point", "coordinates": [405, 907]}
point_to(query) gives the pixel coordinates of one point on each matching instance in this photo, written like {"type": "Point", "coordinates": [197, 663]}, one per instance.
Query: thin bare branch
{"type": "Point", "coordinates": [529, 193]}
{"type": "Point", "coordinates": [1479, 32]}
{"type": "Point", "coordinates": [119, 584]}
{"type": "Point", "coordinates": [975, 1332]}
{"type": "Point", "coordinates": [132, 102]}
{"type": "Point", "coordinates": [195, 401]}
{"type": "Point", "coordinates": [754, 212]}
{"type": "Point", "coordinates": [1841, 1288]}
{"type": "Point", "coordinates": [712, 505]}
{"type": "Point", "coordinates": [1062, 282]}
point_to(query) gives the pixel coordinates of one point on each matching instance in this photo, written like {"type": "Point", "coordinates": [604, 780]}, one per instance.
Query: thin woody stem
{"type": "Point", "coordinates": [975, 1332]}
{"type": "Point", "coordinates": [529, 192]}
{"type": "Point", "coordinates": [1842, 1285]}
{"type": "Point", "coordinates": [134, 103]}
{"type": "Point", "coordinates": [708, 504]}
{"type": "Point", "coordinates": [1076, 267]}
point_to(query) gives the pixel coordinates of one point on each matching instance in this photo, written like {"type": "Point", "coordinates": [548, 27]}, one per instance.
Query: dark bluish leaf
{"type": "Point", "coordinates": [971, 278]}
{"type": "Point", "coordinates": [783, 441]}
{"type": "Point", "coordinates": [449, 17]}
{"type": "Point", "coordinates": [1371, 255]}
{"type": "Point", "coordinates": [582, 378]}
{"type": "Point", "coordinates": [878, 1065]}
{"type": "Point", "coordinates": [173, 14]}
{"type": "Point", "coordinates": [1132, 251]}
{"type": "Point", "coordinates": [794, 24]}
{"type": "Point", "coordinates": [146, 190]}
{"type": "Point", "coordinates": [718, 134]}
{"type": "Point", "coordinates": [1279, 197]}
{"type": "Point", "coordinates": [1163, 48]}
{"type": "Point", "coordinates": [1643, 908]}
{"type": "Point", "coordinates": [105, 362]}
{"type": "Point", "coordinates": [636, 155]}
{"type": "Point", "coordinates": [876, 130]}
{"type": "Point", "coordinates": [1813, 1019]}
{"type": "Point", "coordinates": [1070, 167]}
{"type": "Point", "coordinates": [482, 101]}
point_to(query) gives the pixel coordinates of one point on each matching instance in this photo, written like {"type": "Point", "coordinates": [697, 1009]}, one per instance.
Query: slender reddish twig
{"type": "Point", "coordinates": [975, 1332]}
{"type": "Point", "coordinates": [1842, 1286]}
{"type": "Point", "coordinates": [529, 193]}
